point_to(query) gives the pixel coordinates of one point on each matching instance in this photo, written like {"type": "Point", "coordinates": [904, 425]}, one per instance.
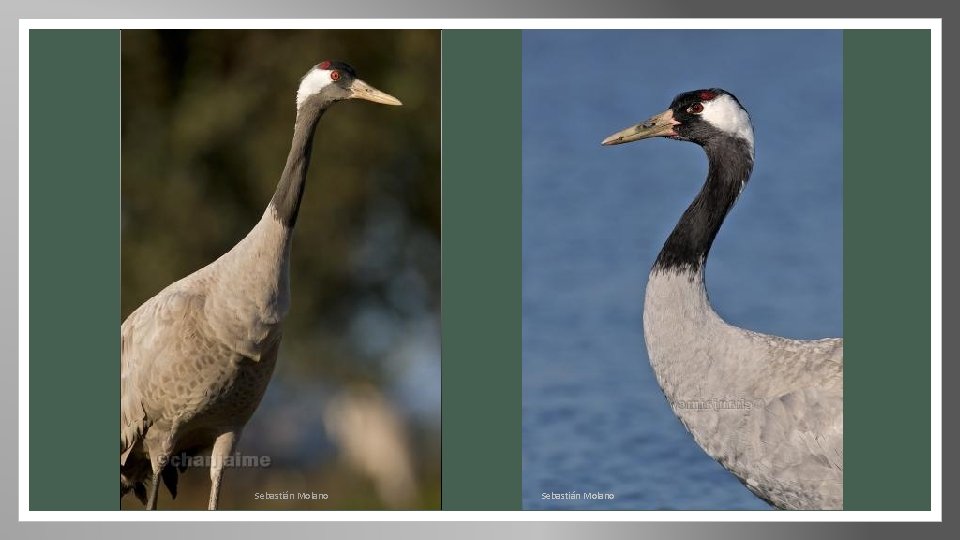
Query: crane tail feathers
{"type": "Point", "coordinates": [170, 477]}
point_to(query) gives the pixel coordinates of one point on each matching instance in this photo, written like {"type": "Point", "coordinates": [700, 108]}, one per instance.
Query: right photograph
{"type": "Point", "coordinates": [683, 270]}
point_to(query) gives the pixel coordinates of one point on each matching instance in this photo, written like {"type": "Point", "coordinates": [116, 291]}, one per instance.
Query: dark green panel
{"type": "Point", "coordinates": [481, 270]}
{"type": "Point", "coordinates": [74, 268]}
{"type": "Point", "coordinates": [887, 270]}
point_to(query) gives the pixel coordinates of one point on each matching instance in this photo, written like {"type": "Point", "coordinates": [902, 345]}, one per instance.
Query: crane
{"type": "Point", "coordinates": [196, 358]}
{"type": "Point", "coordinates": [767, 408]}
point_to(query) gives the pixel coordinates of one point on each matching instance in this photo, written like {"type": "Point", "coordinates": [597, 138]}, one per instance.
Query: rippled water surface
{"type": "Point", "coordinates": [594, 218]}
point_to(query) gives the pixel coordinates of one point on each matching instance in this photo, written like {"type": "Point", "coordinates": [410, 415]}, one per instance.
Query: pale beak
{"type": "Point", "coordinates": [362, 90]}
{"type": "Point", "coordinates": [660, 125]}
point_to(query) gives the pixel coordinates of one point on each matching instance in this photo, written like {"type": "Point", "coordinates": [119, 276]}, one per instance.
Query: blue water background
{"type": "Point", "coordinates": [594, 218]}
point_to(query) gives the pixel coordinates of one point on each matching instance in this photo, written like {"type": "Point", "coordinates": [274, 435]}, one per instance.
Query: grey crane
{"type": "Point", "coordinates": [196, 358]}
{"type": "Point", "coordinates": [769, 409]}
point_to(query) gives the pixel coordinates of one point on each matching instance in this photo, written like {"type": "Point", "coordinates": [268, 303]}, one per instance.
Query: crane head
{"type": "Point", "coordinates": [331, 81]}
{"type": "Point", "coordinates": [698, 116]}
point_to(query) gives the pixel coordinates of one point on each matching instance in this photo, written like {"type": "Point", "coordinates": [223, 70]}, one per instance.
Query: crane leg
{"type": "Point", "coordinates": [222, 449]}
{"type": "Point", "coordinates": [157, 464]}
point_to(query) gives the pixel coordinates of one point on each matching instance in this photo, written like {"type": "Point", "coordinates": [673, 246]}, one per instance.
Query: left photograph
{"type": "Point", "coordinates": [280, 270]}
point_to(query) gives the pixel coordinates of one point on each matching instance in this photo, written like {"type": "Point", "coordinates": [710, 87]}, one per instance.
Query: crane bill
{"type": "Point", "coordinates": [660, 125]}
{"type": "Point", "coordinates": [361, 90]}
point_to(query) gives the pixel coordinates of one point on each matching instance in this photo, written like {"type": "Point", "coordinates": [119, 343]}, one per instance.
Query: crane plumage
{"type": "Point", "coordinates": [196, 358]}
{"type": "Point", "coordinates": [769, 409]}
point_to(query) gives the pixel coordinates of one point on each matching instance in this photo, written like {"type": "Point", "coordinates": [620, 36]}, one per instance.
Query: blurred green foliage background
{"type": "Point", "coordinates": [354, 406]}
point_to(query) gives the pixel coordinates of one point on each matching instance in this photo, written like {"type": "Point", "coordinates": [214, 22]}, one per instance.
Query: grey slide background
{"type": "Point", "coordinates": [15, 9]}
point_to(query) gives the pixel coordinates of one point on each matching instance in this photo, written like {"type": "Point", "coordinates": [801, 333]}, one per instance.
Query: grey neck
{"type": "Point", "coordinates": [286, 200]}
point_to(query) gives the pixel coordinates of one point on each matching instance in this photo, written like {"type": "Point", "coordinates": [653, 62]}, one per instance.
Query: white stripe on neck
{"type": "Point", "coordinates": [313, 83]}
{"type": "Point", "coordinates": [725, 114]}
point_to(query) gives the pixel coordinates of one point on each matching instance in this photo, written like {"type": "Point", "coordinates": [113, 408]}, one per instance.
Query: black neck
{"type": "Point", "coordinates": [687, 247]}
{"type": "Point", "coordinates": [286, 200]}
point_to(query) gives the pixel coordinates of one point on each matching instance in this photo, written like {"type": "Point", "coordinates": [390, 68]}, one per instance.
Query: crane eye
{"type": "Point", "coordinates": [696, 108]}
{"type": "Point", "coordinates": [334, 75]}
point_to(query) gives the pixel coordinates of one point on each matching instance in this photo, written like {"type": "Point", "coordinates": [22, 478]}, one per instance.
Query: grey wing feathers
{"type": "Point", "coordinates": [146, 339]}
{"type": "Point", "coordinates": [801, 433]}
